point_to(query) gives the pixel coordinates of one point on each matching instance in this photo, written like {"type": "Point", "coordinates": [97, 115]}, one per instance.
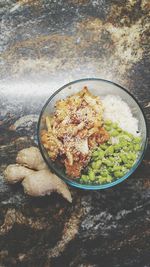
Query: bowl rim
{"type": "Point", "coordinates": [72, 182]}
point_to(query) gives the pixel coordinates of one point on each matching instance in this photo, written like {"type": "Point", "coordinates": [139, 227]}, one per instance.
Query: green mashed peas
{"type": "Point", "coordinates": [112, 160]}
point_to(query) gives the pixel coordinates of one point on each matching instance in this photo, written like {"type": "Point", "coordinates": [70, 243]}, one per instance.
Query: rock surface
{"type": "Point", "coordinates": [45, 44]}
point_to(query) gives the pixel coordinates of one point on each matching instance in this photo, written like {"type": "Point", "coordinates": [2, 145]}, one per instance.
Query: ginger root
{"type": "Point", "coordinates": [31, 158]}
{"type": "Point", "coordinates": [44, 183]}
{"type": "Point", "coordinates": [16, 173]}
{"type": "Point", "coordinates": [37, 179]}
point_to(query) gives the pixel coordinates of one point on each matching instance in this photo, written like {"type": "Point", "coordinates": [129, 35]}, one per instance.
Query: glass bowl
{"type": "Point", "coordinates": [100, 88]}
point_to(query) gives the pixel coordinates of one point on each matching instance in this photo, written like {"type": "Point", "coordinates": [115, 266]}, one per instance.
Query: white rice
{"type": "Point", "coordinates": [116, 110]}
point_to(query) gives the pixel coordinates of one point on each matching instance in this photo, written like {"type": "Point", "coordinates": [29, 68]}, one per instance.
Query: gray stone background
{"type": "Point", "coordinates": [43, 45]}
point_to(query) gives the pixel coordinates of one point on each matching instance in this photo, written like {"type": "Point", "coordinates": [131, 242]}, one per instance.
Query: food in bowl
{"type": "Point", "coordinates": [74, 130]}
{"type": "Point", "coordinates": [94, 140]}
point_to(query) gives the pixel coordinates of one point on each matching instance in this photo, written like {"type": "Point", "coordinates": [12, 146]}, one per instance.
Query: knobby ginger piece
{"type": "Point", "coordinates": [31, 158]}
{"type": "Point", "coordinates": [16, 173]}
{"type": "Point", "coordinates": [37, 180]}
{"type": "Point", "coordinates": [43, 183]}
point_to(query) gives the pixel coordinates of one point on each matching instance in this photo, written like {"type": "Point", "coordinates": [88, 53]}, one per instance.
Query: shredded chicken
{"type": "Point", "coordinates": [75, 128]}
